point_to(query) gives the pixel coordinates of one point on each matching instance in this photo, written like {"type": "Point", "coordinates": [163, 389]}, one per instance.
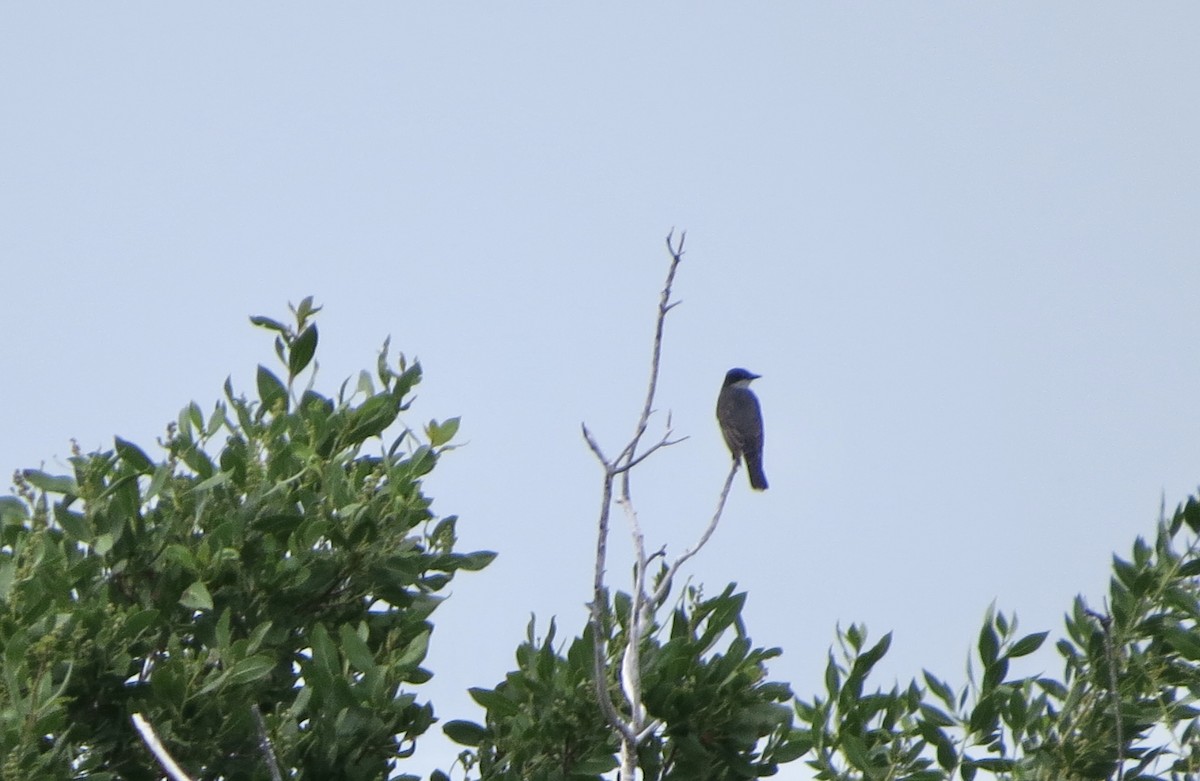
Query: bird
{"type": "Point", "coordinates": [740, 419]}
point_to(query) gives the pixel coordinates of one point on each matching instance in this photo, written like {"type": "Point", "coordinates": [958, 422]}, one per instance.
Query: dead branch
{"type": "Point", "coordinates": [264, 744]}
{"type": "Point", "coordinates": [156, 748]}
{"type": "Point", "coordinates": [634, 726]}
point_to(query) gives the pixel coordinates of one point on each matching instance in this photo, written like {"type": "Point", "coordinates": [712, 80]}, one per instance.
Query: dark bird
{"type": "Point", "coordinates": [741, 423]}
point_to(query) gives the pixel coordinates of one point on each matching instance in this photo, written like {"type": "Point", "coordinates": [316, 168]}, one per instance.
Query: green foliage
{"type": "Point", "coordinates": [1126, 705]}
{"type": "Point", "coordinates": [719, 718]}
{"type": "Point", "coordinates": [266, 558]}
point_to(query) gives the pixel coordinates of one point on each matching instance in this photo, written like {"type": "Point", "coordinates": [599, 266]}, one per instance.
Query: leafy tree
{"type": "Point", "coordinates": [259, 594]}
{"type": "Point", "coordinates": [691, 702]}
{"type": "Point", "coordinates": [702, 682]}
{"type": "Point", "coordinates": [1125, 707]}
{"type": "Point", "coordinates": [258, 598]}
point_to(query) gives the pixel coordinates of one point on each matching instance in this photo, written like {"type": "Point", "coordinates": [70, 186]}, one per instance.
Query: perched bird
{"type": "Point", "coordinates": [741, 423]}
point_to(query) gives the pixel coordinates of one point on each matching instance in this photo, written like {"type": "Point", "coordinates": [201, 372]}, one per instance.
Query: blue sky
{"type": "Point", "coordinates": [959, 242]}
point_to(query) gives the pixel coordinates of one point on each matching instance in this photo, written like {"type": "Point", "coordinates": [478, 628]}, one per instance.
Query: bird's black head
{"type": "Point", "coordinates": [739, 375]}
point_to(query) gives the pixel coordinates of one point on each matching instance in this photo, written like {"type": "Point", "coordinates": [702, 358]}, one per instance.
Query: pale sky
{"type": "Point", "coordinates": [959, 242]}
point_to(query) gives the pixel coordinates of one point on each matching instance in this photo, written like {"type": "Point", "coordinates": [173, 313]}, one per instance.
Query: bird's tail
{"type": "Point", "coordinates": [754, 468]}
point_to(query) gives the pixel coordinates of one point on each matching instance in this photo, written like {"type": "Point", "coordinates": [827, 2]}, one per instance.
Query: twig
{"type": "Point", "coordinates": [156, 748]}
{"type": "Point", "coordinates": [660, 444]}
{"type": "Point", "coordinates": [635, 727]}
{"type": "Point", "coordinates": [664, 584]}
{"type": "Point", "coordinates": [264, 744]}
{"type": "Point", "coordinates": [593, 444]}
{"type": "Point", "coordinates": [598, 608]}
{"type": "Point", "coordinates": [664, 305]}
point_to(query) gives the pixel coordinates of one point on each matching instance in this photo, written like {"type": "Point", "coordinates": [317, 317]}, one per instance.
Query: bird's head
{"type": "Point", "coordinates": [739, 377]}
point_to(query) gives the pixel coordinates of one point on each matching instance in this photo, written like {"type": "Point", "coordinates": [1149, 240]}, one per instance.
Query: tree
{"type": "Point", "coordinates": [682, 698]}
{"type": "Point", "coordinates": [260, 608]}
{"type": "Point", "coordinates": [1124, 708]}
{"type": "Point", "coordinates": [262, 605]}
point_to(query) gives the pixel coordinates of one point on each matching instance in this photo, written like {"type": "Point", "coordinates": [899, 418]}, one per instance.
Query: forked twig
{"type": "Point", "coordinates": [635, 727]}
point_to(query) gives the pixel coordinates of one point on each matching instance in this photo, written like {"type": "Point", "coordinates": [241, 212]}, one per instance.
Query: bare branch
{"type": "Point", "coordinates": [633, 730]}
{"type": "Point", "coordinates": [664, 305]}
{"type": "Point", "coordinates": [660, 444]}
{"type": "Point", "coordinates": [264, 744]}
{"type": "Point", "coordinates": [598, 608]}
{"type": "Point", "coordinates": [594, 445]}
{"type": "Point", "coordinates": [156, 748]}
{"type": "Point", "coordinates": [664, 584]}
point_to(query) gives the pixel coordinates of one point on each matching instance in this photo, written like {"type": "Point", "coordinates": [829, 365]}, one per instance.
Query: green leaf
{"type": "Point", "coordinates": [195, 416]}
{"type": "Point", "coordinates": [302, 350]}
{"type": "Point", "coordinates": [497, 704]}
{"type": "Point", "coordinates": [216, 420]}
{"type": "Point", "coordinates": [73, 523]}
{"type": "Point", "coordinates": [266, 322]}
{"type": "Point", "coordinates": [134, 456]}
{"type": "Point", "coordinates": [356, 649]}
{"type": "Point", "coordinates": [220, 478]}
{"type": "Point", "coordinates": [1185, 642]}
{"type": "Point", "coordinates": [258, 635]}
{"type": "Point", "coordinates": [855, 749]}
{"type": "Point", "coordinates": [798, 744]}
{"type": "Point", "coordinates": [868, 660]}
{"type": "Point", "coordinates": [161, 473]}
{"type": "Point", "coordinates": [833, 678]}
{"type": "Point", "coordinates": [1191, 514]}
{"type": "Point", "coordinates": [224, 638]}
{"type": "Point", "coordinates": [381, 365]}
{"type": "Point", "coordinates": [369, 419]}
{"type": "Point", "coordinates": [465, 733]}
{"type": "Point", "coordinates": [270, 390]}
{"type": "Point", "coordinates": [983, 717]}
{"type": "Point", "coordinates": [441, 433]}
{"type": "Point", "coordinates": [994, 675]}
{"type": "Point", "coordinates": [324, 655]}
{"type": "Point", "coordinates": [936, 716]}
{"type": "Point", "coordinates": [947, 756]}
{"type": "Point", "coordinates": [989, 643]}
{"type": "Point", "coordinates": [473, 562]}
{"type": "Point", "coordinates": [1027, 645]}
{"type": "Point", "coordinates": [940, 689]}
{"type": "Point", "coordinates": [51, 484]}
{"type": "Point", "coordinates": [103, 543]}
{"type": "Point", "coordinates": [12, 511]}
{"type": "Point", "coordinates": [365, 385]}
{"type": "Point", "coordinates": [251, 669]}
{"type": "Point", "coordinates": [415, 652]}
{"type": "Point", "coordinates": [196, 597]}
{"type": "Point", "coordinates": [306, 309]}
{"type": "Point", "coordinates": [137, 623]}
